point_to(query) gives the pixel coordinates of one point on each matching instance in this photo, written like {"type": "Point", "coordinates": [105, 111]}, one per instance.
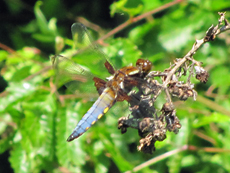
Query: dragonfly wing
{"type": "Point", "coordinates": [99, 108]}
{"type": "Point", "coordinates": [75, 77]}
{"type": "Point", "coordinates": [88, 49]}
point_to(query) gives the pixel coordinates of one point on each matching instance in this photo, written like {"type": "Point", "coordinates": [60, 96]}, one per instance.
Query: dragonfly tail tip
{"type": "Point", "coordinates": [72, 137]}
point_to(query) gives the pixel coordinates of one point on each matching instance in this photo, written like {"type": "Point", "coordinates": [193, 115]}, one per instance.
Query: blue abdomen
{"type": "Point", "coordinates": [99, 108]}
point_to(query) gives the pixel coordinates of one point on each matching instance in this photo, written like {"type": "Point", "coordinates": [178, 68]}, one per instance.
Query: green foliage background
{"type": "Point", "coordinates": [34, 125]}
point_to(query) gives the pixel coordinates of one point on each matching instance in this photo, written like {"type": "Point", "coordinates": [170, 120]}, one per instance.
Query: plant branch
{"type": "Point", "coordinates": [8, 49]}
{"type": "Point", "coordinates": [210, 35]}
{"type": "Point", "coordinates": [176, 151]}
{"type": "Point", "coordinates": [158, 158]}
{"type": "Point", "coordinates": [138, 18]}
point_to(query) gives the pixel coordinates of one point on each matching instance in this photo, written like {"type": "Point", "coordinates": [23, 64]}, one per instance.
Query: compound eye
{"type": "Point", "coordinates": [144, 65]}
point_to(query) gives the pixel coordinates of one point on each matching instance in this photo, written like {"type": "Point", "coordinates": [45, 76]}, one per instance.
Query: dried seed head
{"type": "Point", "coordinates": [167, 108]}
{"type": "Point", "coordinates": [147, 144]}
{"type": "Point", "coordinates": [173, 122]}
{"type": "Point", "coordinates": [201, 74]}
{"type": "Point", "coordinates": [121, 125]}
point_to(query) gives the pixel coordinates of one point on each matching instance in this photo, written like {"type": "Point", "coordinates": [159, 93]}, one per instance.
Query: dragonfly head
{"type": "Point", "coordinates": [144, 65]}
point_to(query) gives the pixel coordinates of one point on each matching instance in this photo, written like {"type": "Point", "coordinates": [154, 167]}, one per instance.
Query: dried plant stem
{"type": "Point", "coordinates": [210, 35]}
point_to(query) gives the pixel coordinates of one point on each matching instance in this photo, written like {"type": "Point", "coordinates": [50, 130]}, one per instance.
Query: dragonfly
{"type": "Point", "coordinates": [115, 88]}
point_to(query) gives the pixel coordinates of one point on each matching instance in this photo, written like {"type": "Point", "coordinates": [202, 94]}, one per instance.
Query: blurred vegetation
{"type": "Point", "coordinates": [34, 124]}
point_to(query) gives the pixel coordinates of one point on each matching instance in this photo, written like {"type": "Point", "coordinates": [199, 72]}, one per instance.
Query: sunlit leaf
{"type": "Point", "coordinates": [215, 118]}
{"type": "Point", "coordinates": [68, 153]}
{"type": "Point", "coordinates": [41, 19]}
{"type": "Point", "coordinates": [18, 160]}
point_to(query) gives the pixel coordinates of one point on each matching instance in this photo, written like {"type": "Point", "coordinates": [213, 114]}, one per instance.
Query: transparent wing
{"type": "Point", "coordinates": [88, 52]}
{"type": "Point", "coordinates": [77, 71]}
{"type": "Point", "coordinates": [78, 79]}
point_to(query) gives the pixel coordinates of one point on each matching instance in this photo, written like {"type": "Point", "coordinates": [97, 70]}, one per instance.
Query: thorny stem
{"type": "Point", "coordinates": [190, 73]}
{"type": "Point", "coordinates": [211, 34]}
{"type": "Point", "coordinates": [156, 130]}
{"type": "Point", "coordinates": [169, 100]}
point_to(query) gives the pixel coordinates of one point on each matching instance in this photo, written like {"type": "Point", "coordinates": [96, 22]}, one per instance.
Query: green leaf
{"type": "Point", "coordinates": [219, 5]}
{"type": "Point", "coordinates": [43, 37]}
{"type": "Point", "coordinates": [6, 132]}
{"type": "Point", "coordinates": [120, 161]}
{"type": "Point", "coordinates": [102, 164]}
{"type": "Point", "coordinates": [117, 6]}
{"type": "Point", "coordinates": [17, 92]}
{"type": "Point", "coordinates": [126, 6]}
{"type": "Point", "coordinates": [137, 34]}
{"type": "Point", "coordinates": [34, 126]}
{"type": "Point", "coordinates": [220, 80]}
{"type": "Point", "coordinates": [69, 153]}
{"type": "Point", "coordinates": [41, 19]}
{"type": "Point", "coordinates": [3, 55]}
{"type": "Point", "coordinates": [18, 160]}
{"type": "Point", "coordinates": [40, 112]}
{"type": "Point", "coordinates": [122, 52]}
{"type": "Point", "coordinates": [180, 140]}
{"type": "Point", "coordinates": [53, 26]}
{"type": "Point", "coordinates": [149, 5]}
{"type": "Point", "coordinates": [174, 40]}
{"type": "Point", "coordinates": [213, 118]}
{"type": "Point", "coordinates": [48, 30]}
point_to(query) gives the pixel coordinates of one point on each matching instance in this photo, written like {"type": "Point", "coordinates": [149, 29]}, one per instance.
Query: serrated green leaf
{"type": "Point", "coordinates": [18, 160]}
{"type": "Point", "coordinates": [36, 133]}
{"type": "Point", "coordinates": [17, 91]}
{"type": "Point", "coordinates": [68, 153]}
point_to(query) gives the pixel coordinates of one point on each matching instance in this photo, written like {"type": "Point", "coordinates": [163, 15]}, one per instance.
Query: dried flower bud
{"type": "Point", "coordinates": [167, 108]}
{"type": "Point", "coordinates": [201, 74]}
{"type": "Point", "coordinates": [121, 125]}
{"type": "Point", "coordinates": [147, 144]}
{"type": "Point", "coordinates": [186, 94]}
{"type": "Point", "coordinates": [173, 122]}
{"type": "Point", "coordinates": [183, 97]}
{"type": "Point", "coordinates": [174, 89]}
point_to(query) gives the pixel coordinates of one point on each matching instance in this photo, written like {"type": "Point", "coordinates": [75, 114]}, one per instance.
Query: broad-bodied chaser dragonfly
{"type": "Point", "coordinates": [114, 88]}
